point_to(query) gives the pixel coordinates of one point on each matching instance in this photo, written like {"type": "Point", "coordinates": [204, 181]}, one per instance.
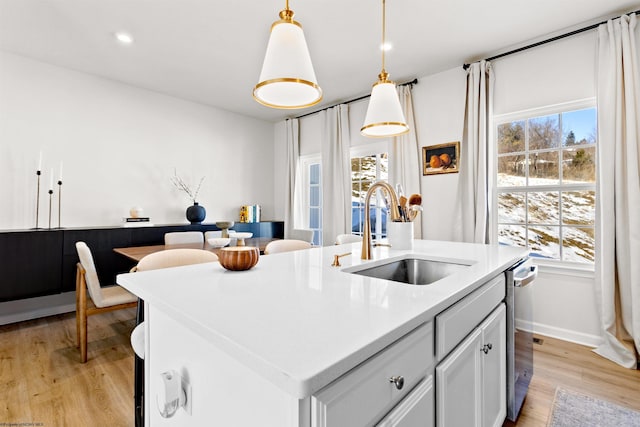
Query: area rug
{"type": "Point", "coordinates": [571, 409]}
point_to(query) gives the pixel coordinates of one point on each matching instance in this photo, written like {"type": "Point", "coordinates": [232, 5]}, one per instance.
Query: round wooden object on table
{"type": "Point", "coordinates": [238, 258]}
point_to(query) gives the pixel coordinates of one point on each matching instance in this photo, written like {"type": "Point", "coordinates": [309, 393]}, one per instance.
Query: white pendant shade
{"type": "Point", "coordinates": [287, 79]}
{"type": "Point", "coordinates": [384, 115]}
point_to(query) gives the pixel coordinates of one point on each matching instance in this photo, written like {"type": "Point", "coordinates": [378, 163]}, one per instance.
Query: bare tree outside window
{"type": "Point", "coordinates": [546, 184]}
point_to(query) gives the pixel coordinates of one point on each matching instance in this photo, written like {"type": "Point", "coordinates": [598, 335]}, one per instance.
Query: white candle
{"type": "Point", "coordinates": [40, 161]}
{"type": "Point", "coordinates": [60, 174]}
{"type": "Point", "coordinates": [51, 180]}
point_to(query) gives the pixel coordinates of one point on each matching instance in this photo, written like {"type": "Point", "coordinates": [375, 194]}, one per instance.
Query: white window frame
{"type": "Point", "coordinates": [551, 265]}
{"type": "Point", "coordinates": [371, 149]}
{"type": "Point", "coordinates": [304, 163]}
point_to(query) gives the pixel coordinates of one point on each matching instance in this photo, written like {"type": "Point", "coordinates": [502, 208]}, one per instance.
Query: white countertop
{"type": "Point", "coordinates": [301, 323]}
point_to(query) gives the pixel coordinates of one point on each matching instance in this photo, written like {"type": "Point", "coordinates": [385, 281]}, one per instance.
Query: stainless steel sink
{"type": "Point", "coordinates": [413, 271]}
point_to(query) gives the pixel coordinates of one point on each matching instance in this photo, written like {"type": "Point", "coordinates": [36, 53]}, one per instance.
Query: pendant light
{"type": "Point", "coordinates": [287, 79]}
{"type": "Point", "coordinates": [384, 115]}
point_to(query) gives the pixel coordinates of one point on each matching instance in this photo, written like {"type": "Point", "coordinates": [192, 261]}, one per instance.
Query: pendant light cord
{"type": "Point", "coordinates": [384, 26]}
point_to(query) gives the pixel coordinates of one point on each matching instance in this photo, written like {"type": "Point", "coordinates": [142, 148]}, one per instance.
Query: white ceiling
{"type": "Point", "coordinates": [210, 51]}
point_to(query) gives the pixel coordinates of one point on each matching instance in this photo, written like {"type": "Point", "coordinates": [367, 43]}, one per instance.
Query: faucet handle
{"type": "Point", "coordinates": [376, 244]}
{"type": "Point", "coordinates": [336, 259]}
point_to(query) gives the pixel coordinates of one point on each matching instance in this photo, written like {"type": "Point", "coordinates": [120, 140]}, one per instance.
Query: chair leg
{"type": "Point", "coordinates": [81, 316]}
{"type": "Point", "coordinates": [138, 393]}
{"type": "Point", "coordinates": [83, 336]}
{"type": "Point", "coordinates": [138, 387]}
{"type": "Point", "coordinates": [78, 283]}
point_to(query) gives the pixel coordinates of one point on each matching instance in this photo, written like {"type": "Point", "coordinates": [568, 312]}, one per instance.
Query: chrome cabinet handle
{"type": "Point", "coordinates": [485, 348]}
{"type": "Point", "coordinates": [398, 381]}
{"type": "Point", "coordinates": [521, 282]}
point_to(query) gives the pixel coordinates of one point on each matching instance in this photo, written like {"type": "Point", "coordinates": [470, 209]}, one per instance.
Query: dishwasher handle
{"type": "Point", "coordinates": [521, 282]}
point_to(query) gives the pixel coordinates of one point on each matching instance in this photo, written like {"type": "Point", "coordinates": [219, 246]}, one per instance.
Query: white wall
{"type": "Point", "coordinates": [438, 102]}
{"type": "Point", "coordinates": [120, 145]}
{"type": "Point", "coordinates": [563, 71]}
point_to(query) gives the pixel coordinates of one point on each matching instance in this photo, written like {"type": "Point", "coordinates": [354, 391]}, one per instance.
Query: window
{"type": "Point", "coordinates": [365, 170]}
{"type": "Point", "coordinates": [546, 181]}
{"type": "Point", "coordinates": [315, 202]}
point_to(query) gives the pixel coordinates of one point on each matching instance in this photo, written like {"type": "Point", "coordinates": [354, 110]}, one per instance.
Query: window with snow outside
{"type": "Point", "coordinates": [315, 202]}
{"type": "Point", "coordinates": [365, 170]}
{"type": "Point", "coordinates": [546, 179]}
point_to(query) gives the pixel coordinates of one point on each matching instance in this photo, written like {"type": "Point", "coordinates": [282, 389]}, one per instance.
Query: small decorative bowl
{"type": "Point", "coordinates": [218, 242]}
{"type": "Point", "coordinates": [241, 236]}
{"type": "Point", "coordinates": [238, 258]}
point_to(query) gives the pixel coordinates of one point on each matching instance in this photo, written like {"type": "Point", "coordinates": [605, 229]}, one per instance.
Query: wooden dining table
{"type": "Point", "coordinates": [136, 253]}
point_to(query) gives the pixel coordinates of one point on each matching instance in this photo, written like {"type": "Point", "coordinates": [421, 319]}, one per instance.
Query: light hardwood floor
{"type": "Point", "coordinates": [42, 381]}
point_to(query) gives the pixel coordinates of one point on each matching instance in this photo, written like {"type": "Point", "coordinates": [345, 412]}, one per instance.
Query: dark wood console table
{"type": "Point", "coordinates": [42, 262]}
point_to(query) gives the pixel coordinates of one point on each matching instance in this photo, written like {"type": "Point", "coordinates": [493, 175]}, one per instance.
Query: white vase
{"type": "Point", "coordinates": [136, 212]}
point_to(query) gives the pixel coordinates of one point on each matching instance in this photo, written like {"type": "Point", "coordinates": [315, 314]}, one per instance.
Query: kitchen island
{"type": "Point", "coordinates": [287, 342]}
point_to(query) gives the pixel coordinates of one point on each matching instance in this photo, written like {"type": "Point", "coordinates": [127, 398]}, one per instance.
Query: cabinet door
{"type": "Point", "coordinates": [459, 385]}
{"type": "Point", "coordinates": [494, 368]}
{"type": "Point", "coordinates": [415, 410]}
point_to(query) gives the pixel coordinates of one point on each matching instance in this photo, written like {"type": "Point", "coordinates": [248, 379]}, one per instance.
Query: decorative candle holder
{"type": "Point", "coordinates": [59, 203]}
{"type": "Point", "coordinates": [50, 198]}
{"type": "Point", "coordinates": [38, 174]}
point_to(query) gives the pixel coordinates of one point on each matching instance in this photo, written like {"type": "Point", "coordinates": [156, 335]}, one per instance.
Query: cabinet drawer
{"type": "Point", "coordinates": [365, 394]}
{"type": "Point", "coordinates": [455, 323]}
{"type": "Point", "coordinates": [415, 410]}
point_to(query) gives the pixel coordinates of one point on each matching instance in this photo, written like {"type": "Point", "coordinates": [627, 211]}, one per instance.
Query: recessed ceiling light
{"type": "Point", "coordinates": [386, 46]}
{"type": "Point", "coordinates": [124, 38]}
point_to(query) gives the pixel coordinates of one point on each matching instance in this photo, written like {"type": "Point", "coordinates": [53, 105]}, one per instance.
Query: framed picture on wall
{"type": "Point", "coordinates": [441, 158]}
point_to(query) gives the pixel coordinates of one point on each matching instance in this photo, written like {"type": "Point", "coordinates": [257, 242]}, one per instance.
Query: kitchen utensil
{"type": "Point", "coordinates": [415, 199]}
{"type": "Point", "coordinates": [403, 207]}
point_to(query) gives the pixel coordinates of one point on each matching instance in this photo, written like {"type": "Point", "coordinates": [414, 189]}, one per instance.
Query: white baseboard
{"type": "Point", "coordinates": [560, 333]}
{"type": "Point", "coordinates": [33, 308]}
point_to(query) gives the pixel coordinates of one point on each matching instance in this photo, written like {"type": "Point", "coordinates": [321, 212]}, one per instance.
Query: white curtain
{"type": "Point", "coordinates": [618, 190]}
{"type": "Point", "coordinates": [291, 208]}
{"type": "Point", "coordinates": [476, 182]}
{"type": "Point", "coordinates": [404, 159]}
{"type": "Point", "coordinates": [336, 173]}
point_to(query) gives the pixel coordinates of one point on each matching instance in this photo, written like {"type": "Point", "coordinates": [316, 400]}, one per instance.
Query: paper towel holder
{"type": "Point", "coordinates": [171, 396]}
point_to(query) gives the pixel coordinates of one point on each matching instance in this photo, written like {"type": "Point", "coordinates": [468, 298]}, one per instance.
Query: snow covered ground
{"type": "Point", "coordinates": [546, 222]}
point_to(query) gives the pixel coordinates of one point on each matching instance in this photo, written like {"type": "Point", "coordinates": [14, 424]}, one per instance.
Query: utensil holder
{"type": "Point", "coordinates": [400, 235]}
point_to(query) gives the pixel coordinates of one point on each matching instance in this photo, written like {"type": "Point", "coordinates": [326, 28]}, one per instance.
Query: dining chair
{"type": "Point", "coordinates": [155, 261]}
{"type": "Point", "coordinates": [301, 234]}
{"type": "Point", "coordinates": [101, 299]}
{"type": "Point", "coordinates": [285, 245]}
{"type": "Point", "coordinates": [183, 238]}
{"type": "Point", "coordinates": [347, 238]}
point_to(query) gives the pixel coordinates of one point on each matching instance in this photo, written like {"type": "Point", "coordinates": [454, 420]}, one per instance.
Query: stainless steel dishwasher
{"type": "Point", "coordinates": [519, 342]}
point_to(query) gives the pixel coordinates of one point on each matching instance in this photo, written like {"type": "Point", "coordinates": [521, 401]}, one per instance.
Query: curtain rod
{"type": "Point", "coordinates": [411, 83]}
{"type": "Point", "coordinates": [552, 39]}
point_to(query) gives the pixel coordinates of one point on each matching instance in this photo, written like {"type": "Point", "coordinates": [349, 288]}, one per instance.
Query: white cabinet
{"type": "Point", "coordinates": [471, 381]}
{"type": "Point", "coordinates": [494, 368]}
{"type": "Point", "coordinates": [415, 410]}
{"type": "Point", "coordinates": [398, 379]}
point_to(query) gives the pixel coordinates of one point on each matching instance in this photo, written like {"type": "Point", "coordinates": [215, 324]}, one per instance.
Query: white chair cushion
{"type": "Point", "coordinates": [175, 258]}
{"type": "Point", "coordinates": [347, 238]}
{"type": "Point", "coordinates": [114, 295]}
{"type": "Point", "coordinates": [137, 340]}
{"type": "Point", "coordinates": [183, 237]}
{"type": "Point", "coordinates": [285, 245]}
